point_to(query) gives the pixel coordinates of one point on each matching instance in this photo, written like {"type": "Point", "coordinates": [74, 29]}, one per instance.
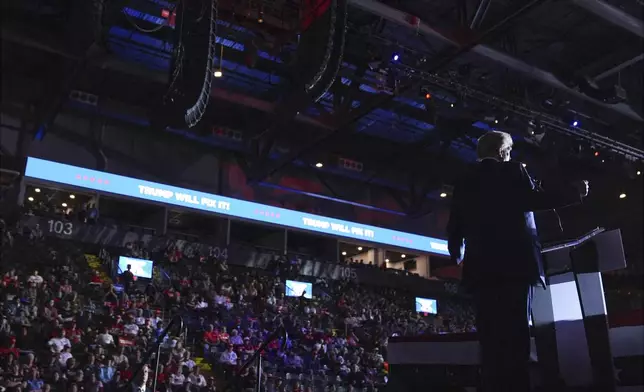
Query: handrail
{"type": "Point", "coordinates": [177, 321]}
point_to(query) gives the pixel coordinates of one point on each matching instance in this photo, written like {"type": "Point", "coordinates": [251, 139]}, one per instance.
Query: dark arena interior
{"type": "Point", "coordinates": [278, 176]}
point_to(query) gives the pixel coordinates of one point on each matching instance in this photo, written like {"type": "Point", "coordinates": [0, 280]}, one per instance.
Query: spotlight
{"type": "Point", "coordinates": [30, 198]}
{"type": "Point", "coordinates": [395, 57]}
{"type": "Point", "coordinates": [496, 121]}
{"type": "Point", "coordinates": [639, 173]}
{"type": "Point", "coordinates": [403, 255]}
{"type": "Point", "coordinates": [360, 248]}
{"type": "Point", "coordinates": [64, 204]}
{"type": "Point", "coordinates": [524, 165]}
{"type": "Point", "coordinates": [344, 253]}
{"type": "Point", "coordinates": [443, 194]}
{"type": "Point", "coordinates": [451, 105]}
{"type": "Point", "coordinates": [218, 74]}
{"type": "Point", "coordinates": [386, 260]}
{"type": "Point", "coordinates": [319, 164]}
{"type": "Point", "coordinates": [72, 196]}
{"type": "Point", "coordinates": [37, 190]}
{"type": "Point", "coordinates": [575, 123]}
{"type": "Point", "coordinates": [596, 153]}
{"type": "Point", "coordinates": [428, 96]}
{"type": "Point", "coordinates": [622, 195]}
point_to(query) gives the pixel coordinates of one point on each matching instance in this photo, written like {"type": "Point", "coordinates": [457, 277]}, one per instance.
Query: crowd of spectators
{"type": "Point", "coordinates": [65, 326]}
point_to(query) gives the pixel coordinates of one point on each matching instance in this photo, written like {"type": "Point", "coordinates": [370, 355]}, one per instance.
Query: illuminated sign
{"type": "Point", "coordinates": [145, 190]}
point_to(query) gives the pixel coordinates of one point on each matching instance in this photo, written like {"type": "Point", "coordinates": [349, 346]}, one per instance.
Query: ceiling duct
{"type": "Point", "coordinates": [613, 15]}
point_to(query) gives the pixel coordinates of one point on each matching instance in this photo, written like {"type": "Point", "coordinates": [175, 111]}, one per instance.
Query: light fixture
{"type": "Point", "coordinates": [451, 105]}
{"type": "Point", "coordinates": [395, 57]}
{"type": "Point", "coordinates": [64, 204]}
{"type": "Point", "coordinates": [319, 164]}
{"type": "Point", "coordinates": [622, 195]}
{"type": "Point", "coordinates": [72, 196]}
{"type": "Point", "coordinates": [360, 248]}
{"type": "Point", "coordinates": [596, 153]}
{"type": "Point", "coordinates": [218, 74]}
{"type": "Point", "coordinates": [403, 255]}
{"type": "Point", "coordinates": [428, 96]}
{"type": "Point", "coordinates": [344, 253]}
{"type": "Point", "coordinates": [443, 194]}
{"type": "Point", "coordinates": [575, 123]}
{"type": "Point", "coordinates": [639, 173]}
{"type": "Point", "coordinates": [496, 121]}
{"type": "Point", "coordinates": [524, 165]}
{"type": "Point", "coordinates": [30, 198]}
{"type": "Point", "coordinates": [37, 190]}
{"type": "Point", "coordinates": [386, 260]}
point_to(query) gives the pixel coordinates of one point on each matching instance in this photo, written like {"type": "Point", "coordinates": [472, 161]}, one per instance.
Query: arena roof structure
{"type": "Point", "coordinates": [417, 83]}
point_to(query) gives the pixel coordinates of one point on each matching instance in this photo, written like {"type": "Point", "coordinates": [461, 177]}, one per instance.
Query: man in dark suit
{"type": "Point", "coordinates": [492, 214]}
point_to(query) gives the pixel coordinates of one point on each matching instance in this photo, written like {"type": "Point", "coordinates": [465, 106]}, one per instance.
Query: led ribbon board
{"type": "Point", "coordinates": [145, 190]}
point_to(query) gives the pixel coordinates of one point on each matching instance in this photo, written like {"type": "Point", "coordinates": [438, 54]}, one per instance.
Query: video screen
{"type": "Point", "coordinates": [140, 268]}
{"type": "Point", "coordinates": [297, 289]}
{"type": "Point", "coordinates": [426, 305]}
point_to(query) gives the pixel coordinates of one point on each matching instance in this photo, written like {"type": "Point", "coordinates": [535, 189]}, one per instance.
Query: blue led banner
{"type": "Point", "coordinates": [145, 190]}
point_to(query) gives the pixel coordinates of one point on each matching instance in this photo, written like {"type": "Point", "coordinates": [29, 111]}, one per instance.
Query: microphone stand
{"type": "Point", "coordinates": [177, 321]}
{"type": "Point", "coordinates": [279, 333]}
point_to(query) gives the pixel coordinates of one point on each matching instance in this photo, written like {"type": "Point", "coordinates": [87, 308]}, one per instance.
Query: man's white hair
{"type": "Point", "coordinates": [492, 143]}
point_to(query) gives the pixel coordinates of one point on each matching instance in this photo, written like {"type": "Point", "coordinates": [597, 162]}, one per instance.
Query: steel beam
{"type": "Point", "coordinates": [481, 11]}
{"type": "Point", "coordinates": [403, 19]}
{"type": "Point", "coordinates": [613, 15]}
{"type": "Point", "coordinates": [619, 67]}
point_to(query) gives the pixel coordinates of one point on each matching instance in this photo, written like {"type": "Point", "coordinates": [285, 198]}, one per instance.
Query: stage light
{"type": "Point", "coordinates": [30, 198]}
{"type": "Point", "coordinates": [360, 248]}
{"type": "Point", "coordinates": [344, 253]}
{"type": "Point", "coordinates": [218, 74]}
{"type": "Point", "coordinates": [428, 96]}
{"type": "Point", "coordinates": [386, 260]}
{"type": "Point", "coordinates": [319, 164]}
{"type": "Point", "coordinates": [451, 105]}
{"type": "Point", "coordinates": [72, 196]}
{"type": "Point", "coordinates": [496, 121]}
{"type": "Point", "coordinates": [443, 194]}
{"type": "Point", "coordinates": [639, 173]}
{"type": "Point", "coordinates": [596, 153]}
{"type": "Point", "coordinates": [37, 190]}
{"type": "Point", "coordinates": [524, 165]}
{"type": "Point", "coordinates": [395, 57]}
{"type": "Point", "coordinates": [403, 255]}
{"type": "Point", "coordinates": [575, 123]}
{"type": "Point", "coordinates": [622, 195]}
{"type": "Point", "coordinates": [64, 204]}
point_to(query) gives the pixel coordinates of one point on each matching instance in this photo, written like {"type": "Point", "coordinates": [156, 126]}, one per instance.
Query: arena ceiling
{"type": "Point", "coordinates": [419, 82]}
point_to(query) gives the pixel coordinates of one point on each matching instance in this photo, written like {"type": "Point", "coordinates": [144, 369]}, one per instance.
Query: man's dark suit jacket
{"type": "Point", "coordinates": [492, 211]}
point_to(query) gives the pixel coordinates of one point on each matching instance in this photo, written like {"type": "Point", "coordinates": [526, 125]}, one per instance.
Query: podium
{"type": "Point", "coordinates": [569, 316]}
